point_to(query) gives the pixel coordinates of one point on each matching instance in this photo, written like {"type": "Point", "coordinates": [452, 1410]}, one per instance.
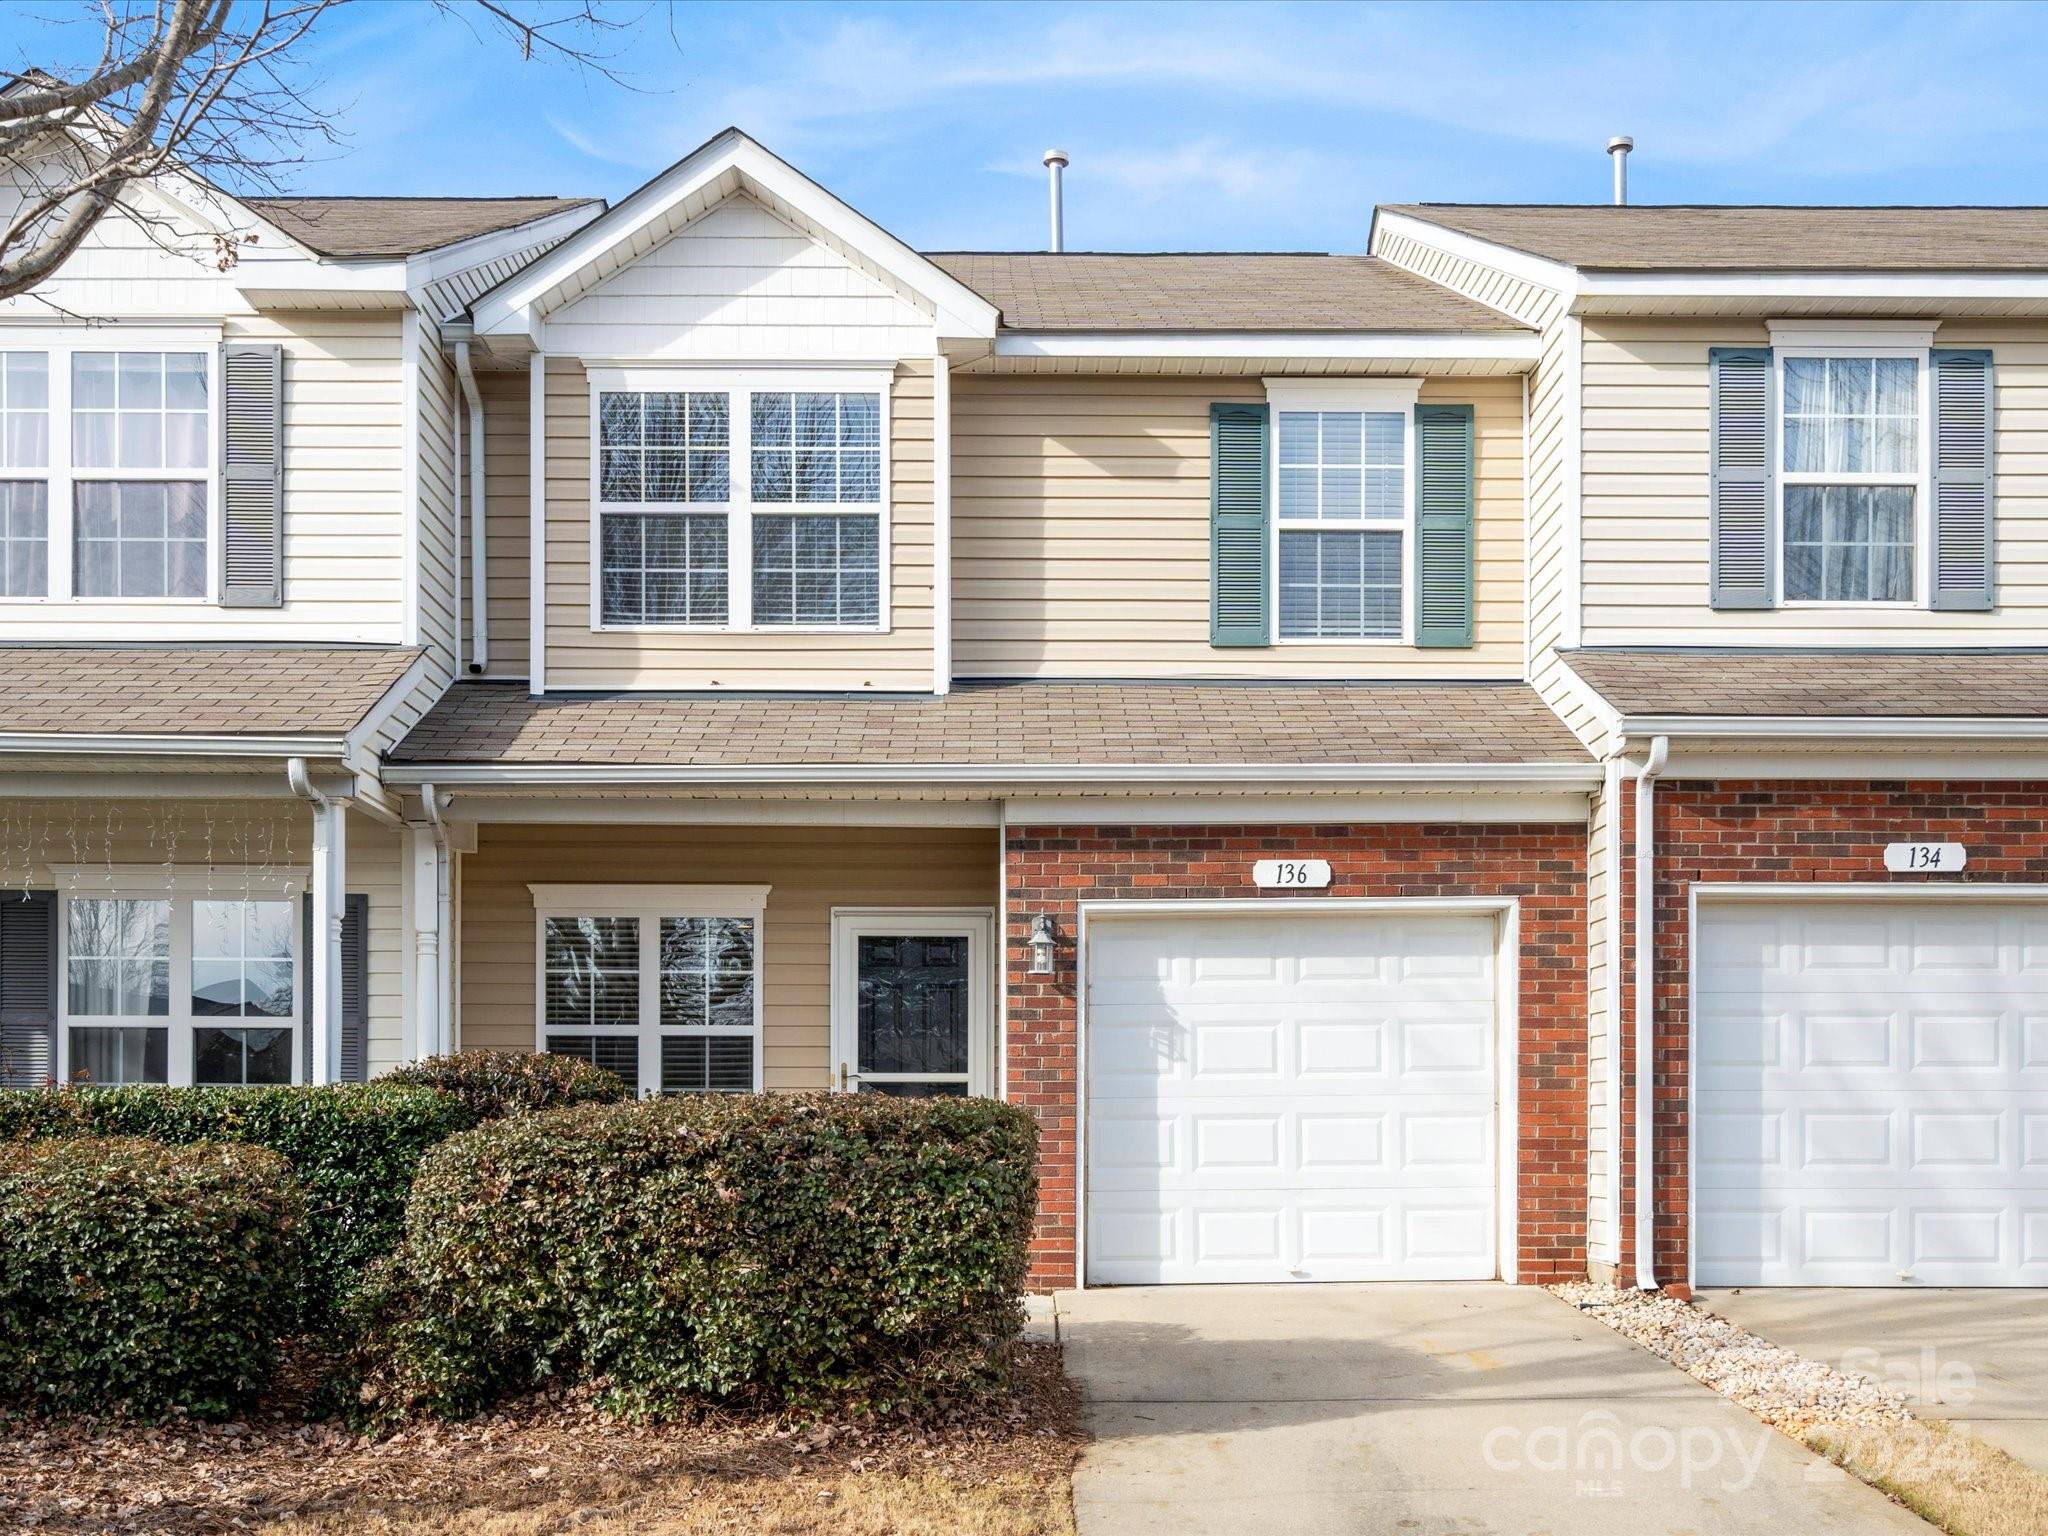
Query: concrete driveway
{"type": "Point", "coordinates": [1419, 1410]}
{"type": "Point", "coordinates": [1978, 1357]}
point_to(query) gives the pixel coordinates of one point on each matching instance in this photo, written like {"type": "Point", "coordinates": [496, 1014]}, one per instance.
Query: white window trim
{"type": "Point", "coordinates": [1922, 482]}
{"type": "Point", "coordinates": [61, 344]}
{"type": "Point", "coordinates": [976, 925]}
{"type": "Point", "coordinates": [649, 904]}
{"type": "Point", "coordinates": [180, 886]}
{"type": "Point", "coordinates": [1377, 396]}
{"type": "Point", "coordinates": [740, 384]}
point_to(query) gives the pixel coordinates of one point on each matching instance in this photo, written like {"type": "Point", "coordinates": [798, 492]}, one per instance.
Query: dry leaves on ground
{"type": "Point", "coordinates": [554, 1463]}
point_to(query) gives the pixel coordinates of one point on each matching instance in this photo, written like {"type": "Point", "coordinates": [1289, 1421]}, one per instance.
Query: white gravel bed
{"type": "Point", "coordinates": [1783, 1388]}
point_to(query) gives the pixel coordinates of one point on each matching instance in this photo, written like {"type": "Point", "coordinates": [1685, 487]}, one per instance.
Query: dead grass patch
{"type": "Point", "coordinates": [553, 1464]}
{"type": "Point", "coordinates": [1946, 1476]}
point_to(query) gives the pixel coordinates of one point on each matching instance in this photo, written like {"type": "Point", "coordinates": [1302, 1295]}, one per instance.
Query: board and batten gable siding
{"type": "Point", "coordinates": [1646, 480]}
{"type": "Point", "coordinates": [896, 660]}
{"type": "Point", "coordinates": [226, 834]}
{"type": "Point", "coordinates": [808, 870]}
{"type": "Point", "coordinates": [740, 285]}
{"type": "Point", "coordinates": [1081, 534]}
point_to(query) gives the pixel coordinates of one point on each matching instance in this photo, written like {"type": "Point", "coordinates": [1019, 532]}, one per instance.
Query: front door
{"type": "Point", "coordinates": [911, 1002]}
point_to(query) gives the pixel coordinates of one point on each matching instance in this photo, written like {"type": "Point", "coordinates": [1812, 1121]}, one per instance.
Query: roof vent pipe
{"type": "Point", "coordinates": [1055, 162]}
{"type": "Point", "coordinates": [1618, 147]}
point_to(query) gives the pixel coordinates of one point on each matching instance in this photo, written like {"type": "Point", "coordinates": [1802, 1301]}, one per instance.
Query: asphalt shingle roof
{"type": "Point", "coordinates": [1648, 238]}
{"type": "Point", "coordinates": [194, 690]}
{"type": "Point", "coordinates": [1245, 291]}
{"type": "Point", "coordinates": [999, 724]}
{"type": "Point", "coordinates": [1820, 685]}
{"type": "Point", "coordinates": [360, 228]}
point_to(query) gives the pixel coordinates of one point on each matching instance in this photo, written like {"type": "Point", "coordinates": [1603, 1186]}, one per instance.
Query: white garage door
{"type": "Point", "coordinates": [1290, 1097]}
{"type": "Point", "coordinates": [1872, 1094]}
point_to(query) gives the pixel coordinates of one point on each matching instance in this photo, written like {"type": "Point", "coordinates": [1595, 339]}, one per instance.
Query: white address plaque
{"type": "Point", "coordinates": [1925, 858]}
{"type": "Point", "coordinates": [1291, 874]}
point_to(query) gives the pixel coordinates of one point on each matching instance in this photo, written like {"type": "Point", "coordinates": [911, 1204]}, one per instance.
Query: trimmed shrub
{"type": "Point", "coordinates": [137, 1278]}
{"type": "Point", "coordinates": [354, 1148]}
{"type": "Point", "coordinates": [494, 1084]}
{"type": "Point", "coordinates": [856, 1251]}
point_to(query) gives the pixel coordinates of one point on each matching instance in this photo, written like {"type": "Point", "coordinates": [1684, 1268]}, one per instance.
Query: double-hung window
{"type": "Point", "coordinates": [199, 984]}
{"type": "Point", "coordinates": [739, 501]}
{"type": "Point", "coordinates": [1853, 476]}
{"type": "Point", "coordinates": [1343, 524]}
{"type": "Point", "coordinates": [659, 984]}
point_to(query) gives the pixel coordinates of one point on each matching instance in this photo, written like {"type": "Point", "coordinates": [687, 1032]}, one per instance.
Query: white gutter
{"type": "Point", "coordinates": [169, 745]}
{"type": "Point", "coordinates": [1584, 776]}
{"type": "Point", "coordinates": [1646, 1017]}
{"type": "Point", "coordinates": [1836, 728]}
{"type": "Point", "coordinates": [480, 639]}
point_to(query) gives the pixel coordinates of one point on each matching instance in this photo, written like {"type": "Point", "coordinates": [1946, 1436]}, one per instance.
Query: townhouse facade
{"type": "Point", "coordinates": [1209, 699]}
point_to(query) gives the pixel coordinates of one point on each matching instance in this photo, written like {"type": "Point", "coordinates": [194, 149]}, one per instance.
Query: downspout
{"type": "Point", "coordinates": [325, 1015]}
{"type": "Point", "coordinates": [479, 627]}
{"type": "Point", "coordinates": [1646, 1017]}
{"type": "Point", "coordinates": [427, 980]}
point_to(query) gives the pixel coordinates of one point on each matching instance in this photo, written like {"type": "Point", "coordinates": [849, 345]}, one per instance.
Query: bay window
{"type": "Point", "coordinates": [1852, 475]}
{"type": "Point", "coordinates": [660, 985]}
{"type": "Point", "coordinates": [200, 985]}
{"type": "Point", "coordinates": [739, 501]}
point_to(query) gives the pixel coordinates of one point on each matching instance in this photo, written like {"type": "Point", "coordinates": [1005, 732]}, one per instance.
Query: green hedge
{"type": "Point", "coordinates": [494, 1084]}
{"type": "Point", "coordinates": [353, 1147]}
{"type": "Point", "coordinates": [853, 1250]}
{"type": "Point", "coordinates": [143, 1279]}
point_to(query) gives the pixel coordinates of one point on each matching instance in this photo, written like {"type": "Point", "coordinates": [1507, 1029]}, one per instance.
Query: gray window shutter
{"type": "Point", "coordinates": [252, 475]}
{"type": "Point", "coordinates": [28, 988]}
{"type": "Point", "coordinates": [355, 989]}
{"type": "Point", "coordinates": [1740, 480]}
{"type": "Point", "coordinates": [1965, 538]}
{"type": "Point", "coordinates": [1238, 483]}
{"type": "Point", "coordinates": [1444, 443]}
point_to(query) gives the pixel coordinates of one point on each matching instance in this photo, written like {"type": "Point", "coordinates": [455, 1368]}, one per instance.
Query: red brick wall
{"type": "Point", "coordinates": [1798, 834]}
{"type": "Point", "coordinates": [1052, 869]}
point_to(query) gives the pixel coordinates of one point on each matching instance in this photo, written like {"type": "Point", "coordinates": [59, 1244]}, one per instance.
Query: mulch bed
{"type": "Point", "coordinates": [79, 1476]}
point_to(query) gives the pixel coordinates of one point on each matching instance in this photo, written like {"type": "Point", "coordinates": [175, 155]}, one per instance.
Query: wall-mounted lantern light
{"type": "Point", "coordinates": [1041, 945]}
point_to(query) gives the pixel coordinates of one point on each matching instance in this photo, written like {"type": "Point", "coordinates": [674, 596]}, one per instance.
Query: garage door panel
{"type": "Point", "coordinates": [1290, 1096]}
{"type": "Point", "coordinates": [1869, 1098]}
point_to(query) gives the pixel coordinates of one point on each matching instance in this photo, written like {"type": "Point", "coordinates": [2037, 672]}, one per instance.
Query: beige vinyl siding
{"type": "Point", "coordinates": [345, 523]}
{"type": "Point", "coordinates": [1081, 534]}
{"type": "Point", "coordinates": [1646, 477]}
{"type": "Point", "coordinates": [809, 871]}
{"type": "Point", "coordinates": [580, 656]}
{"type": "Point", "coordinates": [226, 835]}
{"type": "Point", "coordinates": [738, 284]}
{"type": "Point", "coordinates": [435, 403]}
{"type": "Point", "coordinates": [507, 523]}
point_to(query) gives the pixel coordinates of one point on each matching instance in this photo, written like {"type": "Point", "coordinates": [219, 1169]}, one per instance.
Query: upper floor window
{"type": "Point", "coordinates": [1342, 512]}
{"type": "Point", "coordinates": [740, 507]}
{"type": "Point", "coordinates": [1852, 478]}
{"type": "Point", "coordinates": [105, 468]}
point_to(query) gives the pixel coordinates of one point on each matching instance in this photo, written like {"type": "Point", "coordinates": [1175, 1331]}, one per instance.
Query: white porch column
{"type": "Point", "coordinates": [429, 1035]}
{"type": "Point", "coordinates": [330, 883]}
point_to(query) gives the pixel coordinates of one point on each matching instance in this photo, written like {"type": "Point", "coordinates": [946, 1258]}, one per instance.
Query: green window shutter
{"type": "Point", "coordinates": [1965, 542]}
{"type": "Point", "coordinates": [1740, 477]}
{"type": "Point", "coordinates": [1238, 480]}
{"type": "Point", "coordinates": [1444, 436]}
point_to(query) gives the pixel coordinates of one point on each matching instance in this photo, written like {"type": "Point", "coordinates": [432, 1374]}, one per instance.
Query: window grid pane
{"type": "Point", "coordinates": [24, 410]}
{"type": "Point", "coordinates": [592, 972]}
{"type": "Point", "coordinates": [139, 410]}
{"type": "Point", "coordinates": [664, 446]}
{"type": "Point", "coordinates": [817, 448]}
{"type": "Point", "coordinates": [707, 972]}
{"type": "Point", "coordinates": [137, 538]}
{"type": "Point", "coordinates": [239, 1057]}
{"type": "Point", "coordinates": [1342, 466]}
{"type": "Point", "coordinates": [664, 568]}
{"type": "Point", "coordinates": [1852, 415]}
{"type": "Point", "coordinates": [1340, 585]}
{"type": "Point", "coordinates": [617, 1055]}
{"type": "Point", "coordinates": [1849, 543]}
{"type": "Point", "coordinates": [24, 538]}
{"type": "Point", "coordinates": [242, 960]}
{"type": "Point", "coordinates": [823, 570]}
{"type": "Point", "coordinates": [118, 958]}
{"type": "Point", "coordinates": [116, 1056]}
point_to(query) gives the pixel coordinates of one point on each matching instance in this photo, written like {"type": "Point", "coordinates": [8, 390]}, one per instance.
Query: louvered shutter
{"type": "Point", "coordinates": [1443, 525]}
{"type": "Point", "coordinates": [355, 989]}
{"type": "Point", "coordinates": [1965, 539]}
{"type": "Point", "coordinates": [1740, 478]}
{"type": "Point", "coordinates": [1237, 524]}
{"type": "Point", "coordinates": [252, 475]}
{"type": "Point", "coordinates": [28, 988]}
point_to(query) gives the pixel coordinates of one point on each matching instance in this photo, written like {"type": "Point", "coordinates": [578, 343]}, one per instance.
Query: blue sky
{"type": "Point", "coordinates": [1202, 126]}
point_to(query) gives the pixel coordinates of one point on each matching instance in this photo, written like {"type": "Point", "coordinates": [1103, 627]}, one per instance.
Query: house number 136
{"type": "Point", "coordinates": [1291, 874]}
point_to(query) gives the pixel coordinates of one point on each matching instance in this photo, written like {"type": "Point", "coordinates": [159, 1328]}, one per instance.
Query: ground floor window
{"type": "Point", "coordinates": [659, 984]}
{"type": "Point", "coordinates": [196, 982]}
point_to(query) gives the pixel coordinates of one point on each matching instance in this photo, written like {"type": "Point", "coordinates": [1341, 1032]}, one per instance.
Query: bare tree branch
{"type": "Point", "coordinates": [216, 91]}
